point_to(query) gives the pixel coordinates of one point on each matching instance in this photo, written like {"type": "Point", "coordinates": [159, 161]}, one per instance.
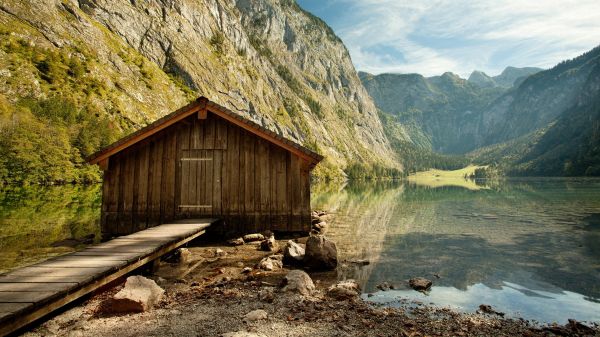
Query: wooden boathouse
{"type": "Point", "coordinates": [205, 161]}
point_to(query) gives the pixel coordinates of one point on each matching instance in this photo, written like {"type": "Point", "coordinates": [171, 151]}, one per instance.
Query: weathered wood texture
{"type": "Point", "coordinates": [30, 293]}
{"type": "Point", "coordinates": [206, 168]}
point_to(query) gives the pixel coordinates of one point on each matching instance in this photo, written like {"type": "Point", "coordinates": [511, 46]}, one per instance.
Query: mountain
{"type": "Point", "coordinates": [509, 77]}
{"type": "Point", "coordinates": [439, 112]}
{"type": "Point", "coordinates": [545, 124]}
{"type": "Point", "coordinates": [552, 126]}
{"type": "Point", "coordinates": [76, 75]}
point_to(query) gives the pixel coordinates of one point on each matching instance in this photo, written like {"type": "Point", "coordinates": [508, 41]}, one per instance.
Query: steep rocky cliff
{"type": "Point", "coordinates": [438, 112]}
{"type": "Point", "coordinates": [266, 59]}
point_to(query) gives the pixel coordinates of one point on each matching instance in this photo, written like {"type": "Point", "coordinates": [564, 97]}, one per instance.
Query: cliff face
{"type": "Point", "coordinates": [266, 59]}
{"type": "Point", "coordinates": [439, 112]}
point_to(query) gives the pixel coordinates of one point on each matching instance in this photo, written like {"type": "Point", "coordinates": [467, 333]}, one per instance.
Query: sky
{"type": "Point", "coordinates": [431, 37]}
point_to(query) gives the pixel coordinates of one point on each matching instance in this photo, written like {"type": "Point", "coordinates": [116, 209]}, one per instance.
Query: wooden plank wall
{"type": "Point", "coordinates": [252, 184]}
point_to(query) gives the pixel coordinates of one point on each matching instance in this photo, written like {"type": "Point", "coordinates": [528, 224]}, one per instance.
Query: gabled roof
{"type": "Point", "coordinates": [203, 104]}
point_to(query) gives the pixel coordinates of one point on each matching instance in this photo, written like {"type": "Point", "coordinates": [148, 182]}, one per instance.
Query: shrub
{"type": "Point", "coordinates": [217, 42]}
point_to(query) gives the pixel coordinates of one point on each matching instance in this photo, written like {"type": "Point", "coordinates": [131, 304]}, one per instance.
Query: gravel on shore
{"type": "Point", "coordinates": [210, 295]}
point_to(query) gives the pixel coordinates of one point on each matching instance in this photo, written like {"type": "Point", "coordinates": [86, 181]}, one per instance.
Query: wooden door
{"type": "Point", "coordinates": [196, 183]}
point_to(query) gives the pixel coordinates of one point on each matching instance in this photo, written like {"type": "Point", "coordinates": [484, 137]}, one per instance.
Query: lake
{"type": "Point", "coordinates": [527, 247]}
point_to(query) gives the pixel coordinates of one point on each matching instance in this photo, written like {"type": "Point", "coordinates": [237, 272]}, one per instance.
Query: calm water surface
{"type": "Point", "coordinates": [527, 247]}
{"type": "Point", "coordinates": [40, 222]}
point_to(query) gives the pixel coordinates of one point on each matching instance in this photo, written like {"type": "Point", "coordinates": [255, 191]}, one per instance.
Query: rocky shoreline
{"type": "Point", "coordinates": [250, 289]}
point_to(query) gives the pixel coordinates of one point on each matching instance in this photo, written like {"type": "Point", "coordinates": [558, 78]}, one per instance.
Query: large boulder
{"type": "Point", "coordinates": [293, 253]}
{"type": "Point", "coordinates": [321, 253]}
{"type": "Point", "coordinates": [298, 281]}
{"type": "Point", "coordinates": [344, 290]}
{"type": "Point", "coordinates": [138, 295]}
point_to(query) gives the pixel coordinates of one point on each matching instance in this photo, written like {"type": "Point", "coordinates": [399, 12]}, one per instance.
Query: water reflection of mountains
{"type": "Point", "coordinates": [526, 232]}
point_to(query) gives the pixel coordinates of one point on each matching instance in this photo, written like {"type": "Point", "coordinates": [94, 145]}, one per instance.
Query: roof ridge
{"type": "Point", "coordinates": [185, 111]}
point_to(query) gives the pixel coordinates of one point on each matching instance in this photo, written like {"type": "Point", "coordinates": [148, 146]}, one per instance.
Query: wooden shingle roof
{"type": "Point", "coordinates": [203, 104]}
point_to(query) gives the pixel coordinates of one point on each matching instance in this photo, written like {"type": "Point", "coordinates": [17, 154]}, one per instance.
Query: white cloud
{"type": "Point", "coordinates": [460, 35]}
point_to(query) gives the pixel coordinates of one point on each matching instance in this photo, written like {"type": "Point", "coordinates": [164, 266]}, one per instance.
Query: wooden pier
{"type": "Point", "coordinates": [30, 293]}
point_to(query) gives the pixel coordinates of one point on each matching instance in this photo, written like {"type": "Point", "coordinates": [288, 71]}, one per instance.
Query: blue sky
{"type": "Point", "coordinates": [431, 37]}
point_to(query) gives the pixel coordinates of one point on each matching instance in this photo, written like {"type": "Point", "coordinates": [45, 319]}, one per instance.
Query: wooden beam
{"type": "Point", "coordinates": [103, 164]}
{"type": "Point", "coordinates": [202, 113]}
{"type": "Point", "coordinates": [143, 135]}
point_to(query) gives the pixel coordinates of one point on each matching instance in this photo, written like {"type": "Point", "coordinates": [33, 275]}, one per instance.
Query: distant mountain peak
{"type": "Point", "coordinates": [481, 79]}
{"type": "Point", "coordinates": [506, 79]}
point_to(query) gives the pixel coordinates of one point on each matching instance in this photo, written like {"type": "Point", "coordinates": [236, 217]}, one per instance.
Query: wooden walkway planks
{"type": "Point", "coordinates": [29, 293]}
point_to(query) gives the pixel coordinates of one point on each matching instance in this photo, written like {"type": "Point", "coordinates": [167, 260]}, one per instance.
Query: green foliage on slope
{"type": "Point", "coordinates": [45, 141]}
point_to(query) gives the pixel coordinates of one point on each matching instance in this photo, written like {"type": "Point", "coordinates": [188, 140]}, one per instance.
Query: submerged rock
{"type": "Point", "coordinates": [298, 281]}
{"type": "Point", "coordinates": [485, 308]}
{"type": "Point", "coordinates": [384, 286]}
{"type": "Point", "coordinates": [420, 283]}
{"type": "Point", "coordinates": [138, 295]}
{"type": "Point", "coordinates": [321, 253]}
{"type": "Point", "coordinates": [293, 253]}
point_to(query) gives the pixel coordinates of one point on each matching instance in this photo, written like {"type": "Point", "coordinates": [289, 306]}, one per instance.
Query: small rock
{"type": "Point", "coordinates": [270, 263]}
{"type": "Point", "coordinates": [344, 290]}
{"type": "Point", "coordinates": [320, 225]}
{"type": "Point", "coordinates": [253, 237]}
{"type": "Point", "coordinates": [266, 295]}
{"type": "Point", "coordinates": [236, 242]}
{"type": "Point", "coordinates": [184, 255]}
{"type": "Point", "coordinates": [384, 286]}
{"type": "Point", "coordinates": [242, 334]}
{"type": "Point", "coordinates": [240, 264]}
{"type": "Point", "coordinates": [181, 255]}
{"type": "Point", "coordinates": [420, 283]}
{"type": "Point", "coordinates": [246, 270]}
{"type": "Point", "coordinates": [195, 284]}
{"type": "Point", "coordinates": [298, 281]}
{"type": "Point", "coordinates": [220, 252]}
{"type": "Point", "coordinates": [485, 308]}
{"type": "Point", "coordinates": [293, 253]}
{"type": "Point", "coordinates": [269, 245]}
{"type": "Point", "coordinates": [320, 253]}
{"type": "Point", "coordinates": [139, 294]}
{"type": "Point", "coordinates": [256, 315]}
